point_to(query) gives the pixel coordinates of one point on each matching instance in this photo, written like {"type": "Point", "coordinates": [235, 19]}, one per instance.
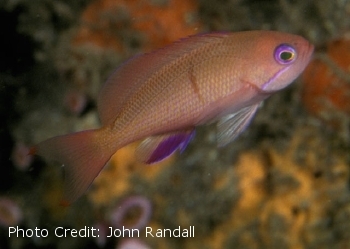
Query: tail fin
{"type": "Point", "coordinates": [83, 155]}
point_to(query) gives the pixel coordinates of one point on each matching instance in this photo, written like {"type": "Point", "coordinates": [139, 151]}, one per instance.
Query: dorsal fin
{"type": "Point", "coordinates": [128, 77]}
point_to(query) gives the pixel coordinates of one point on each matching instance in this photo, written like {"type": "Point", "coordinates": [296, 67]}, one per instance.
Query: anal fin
{"type": "Point", "coordinates": [157, 148]}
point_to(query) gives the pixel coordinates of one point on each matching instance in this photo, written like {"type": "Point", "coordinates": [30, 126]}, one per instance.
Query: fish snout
{"type": "Point", "coordinates": [307, 53]}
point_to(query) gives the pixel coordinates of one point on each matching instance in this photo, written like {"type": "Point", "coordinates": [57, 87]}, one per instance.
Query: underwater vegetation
{"type": "Point", "coordinates": [284, 183]}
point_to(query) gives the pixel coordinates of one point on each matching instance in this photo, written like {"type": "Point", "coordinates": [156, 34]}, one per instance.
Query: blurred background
{"type": "Point", "coordinates": [284, 183]}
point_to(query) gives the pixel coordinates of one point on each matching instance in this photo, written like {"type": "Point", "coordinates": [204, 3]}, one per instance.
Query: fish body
{"type": "Point", "coordinates": [163, 95]}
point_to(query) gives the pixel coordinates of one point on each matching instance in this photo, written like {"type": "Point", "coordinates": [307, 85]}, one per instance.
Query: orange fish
{"type": "Point", "coordinates": [163, 95]}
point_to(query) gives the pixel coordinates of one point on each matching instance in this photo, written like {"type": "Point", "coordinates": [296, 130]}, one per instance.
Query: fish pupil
{"type": "Point", "coordinates": [286, 56]}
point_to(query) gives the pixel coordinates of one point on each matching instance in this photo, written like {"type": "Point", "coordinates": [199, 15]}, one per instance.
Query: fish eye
{"type": "Point", "coordinates": [285, 54]}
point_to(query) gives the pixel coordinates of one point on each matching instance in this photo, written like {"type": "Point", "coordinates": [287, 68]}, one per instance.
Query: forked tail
{"type": "Point", "coordinates": [83, 155]}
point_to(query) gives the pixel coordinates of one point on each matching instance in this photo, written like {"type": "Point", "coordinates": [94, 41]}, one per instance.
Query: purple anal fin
{"type": "Point", "coordinates": [157, 148]}
{"type": "Point", "coordinates": [187, 139]}
{"type": "Point", "coordinates": [169, 145]}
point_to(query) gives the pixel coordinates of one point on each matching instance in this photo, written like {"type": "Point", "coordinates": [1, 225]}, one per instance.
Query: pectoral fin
{"type": "Point", "coordinates": [157, 148]}
{"type": "Point", "coordinates": [230, 126]}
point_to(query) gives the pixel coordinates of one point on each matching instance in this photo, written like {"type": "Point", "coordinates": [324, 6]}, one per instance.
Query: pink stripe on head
{"type": "Point", "coordinates": [272, 79]}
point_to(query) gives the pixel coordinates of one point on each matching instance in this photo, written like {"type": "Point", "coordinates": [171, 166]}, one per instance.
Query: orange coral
{"type": "Point", "coordinates": [327, 81]}
{"type": "Point", "coordinates": [106, 22]}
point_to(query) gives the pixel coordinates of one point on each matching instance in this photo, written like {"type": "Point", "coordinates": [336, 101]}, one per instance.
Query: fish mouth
{"type": "Point", "coordinates": [307, 55]}
{"type": "Point", "coordinates": [311, 48]}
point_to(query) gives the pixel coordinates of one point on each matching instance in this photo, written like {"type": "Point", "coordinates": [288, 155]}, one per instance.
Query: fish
{"type": "Point", "coordinates": [160, 97]}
